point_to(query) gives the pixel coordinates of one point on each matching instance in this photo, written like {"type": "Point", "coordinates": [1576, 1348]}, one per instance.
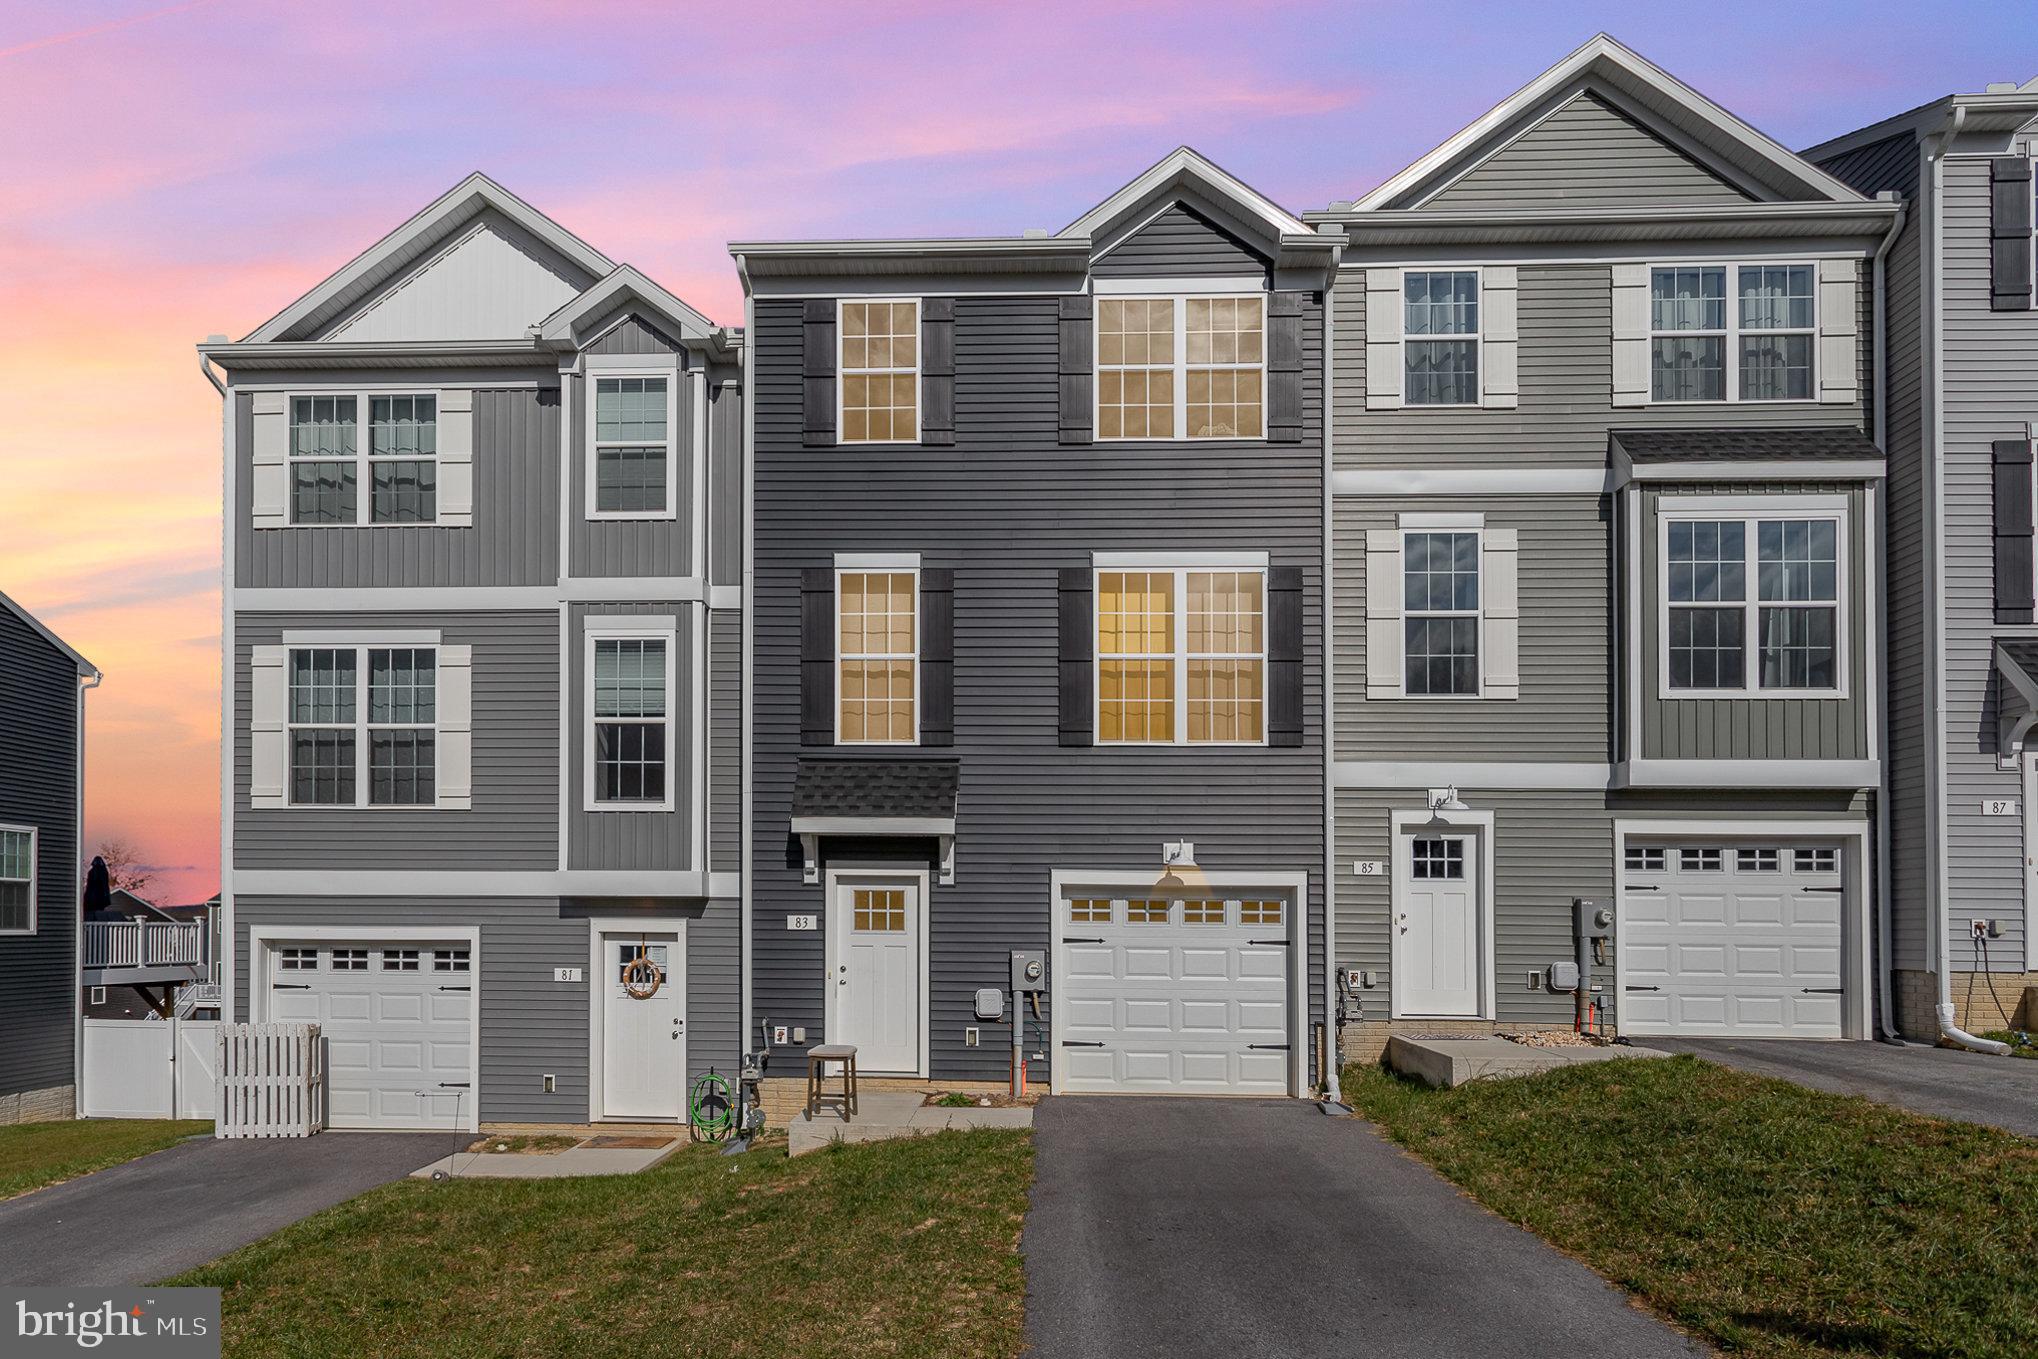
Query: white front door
{"type": "Point", "coordinates": [1438, 931]}
{"type": "Point", "coordinates": [876, 936]}
{"type": "Point", "coordinates": [643, 1050]}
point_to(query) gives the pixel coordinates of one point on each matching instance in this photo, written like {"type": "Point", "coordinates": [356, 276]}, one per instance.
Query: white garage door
{"type": "Point", "coordinates": [397, 1023]}
{"type": "Point", "coordinates": [1738, 939]}
{"type": "Point", "coordinates": [1175, 996]}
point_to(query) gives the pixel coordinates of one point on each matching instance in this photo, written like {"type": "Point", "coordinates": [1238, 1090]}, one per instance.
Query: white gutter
{"type": "Point", "coordinates": [745, 462]}
{"type": "Point", "coordinates": [1886, 939]}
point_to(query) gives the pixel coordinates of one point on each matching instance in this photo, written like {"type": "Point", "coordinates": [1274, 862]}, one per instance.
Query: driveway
{"type": "Point", "coordinates": [1942, 1082]}
{"type": "Point", "coordinates": [1189, 1227]}
{"type": "Point", "coordinates": [150, 1218]}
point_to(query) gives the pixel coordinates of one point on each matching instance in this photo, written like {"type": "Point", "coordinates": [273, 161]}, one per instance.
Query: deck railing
{"type": "Point", "coordinates": [145, 943]}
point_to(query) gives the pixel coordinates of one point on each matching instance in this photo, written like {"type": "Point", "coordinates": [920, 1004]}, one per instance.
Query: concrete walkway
{"type": "Point", "coordinates": [1173, 1227]}
{"type": "Point", "coordinates": [1942, 1082]}
{"type": "Point", "coordinates": [558, 1165]}
{"type": "Point", "coordinates": [885, 1114]}
{"type": "Point", "coordinates": [151, 1218]}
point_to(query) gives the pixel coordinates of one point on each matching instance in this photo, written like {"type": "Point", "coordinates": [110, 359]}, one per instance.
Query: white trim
{"type": "Point", "coordinates": [841, 659]}
{"type": "Point", "coordinates": [646, 927]}
{"type": "Point", "coordinates": [2029, 779]}
{"type": "Point", "coordinates": [1404, 826]}
{"type": "Point", "coordinates": [873, 825]}
{"type": "Point", "coordinates": [1178, 661]}
{"type": "Point", "coordinates": [1180, 365]}
{"type": "Point", "coordinates": [1733, 333]}
{"type": "Point", "coordinates": [1061, 881]}
{"type": "Point", "coordinates": [611, 292]}
{"type": "Point", "coordinates": [1186, 561]}
{"type": "Point", "coordinates": [834, 923]}
{"type": "Point", "coordinates": [459, 598]}
{"type": "Point", "coordinates": [1428, 522]}
{"type": "Point", "coordinates": [359, 642]}
{"type": "Point", "coordinates": [1505, 774]}
{"type": "Point", "coordinates": [876, 561]}
{"type": "Point", "coordinates": [638, 627]}
{"type": "Point", "coordinates": [919, 370]}
{"type": "Point", "coordinates": [1435, 481]}
{"type": "Point", "coordinates": [34, 834]}
{"type": "Point", "coordinates": [607, 368]}
{"type": "Point", "coordinates": [1823, 469]}
{"type": "Point", "coordinates": [359, 637]}
{"type": "Point", "coordinates": [261, 940]}
{"type": "Point", "coordinates": [542, 882]}
{"type": "Point", "coordinates": [1769, 773]}
{"type": "Point", "coordinates": [1243, 285]}
{"type": "Point", "coordinates": [1183, 163]}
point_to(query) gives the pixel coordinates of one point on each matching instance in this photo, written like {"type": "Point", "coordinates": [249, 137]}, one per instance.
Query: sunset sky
{"type": "Point", "coordinates": [168, 171]}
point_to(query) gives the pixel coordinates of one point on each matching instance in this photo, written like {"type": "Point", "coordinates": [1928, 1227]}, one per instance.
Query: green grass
{"type": "Point", "coordinates": [891, 1248]}
{"type": "Point", "coordinates": [1767, 1218]}
{"type": "Point", "coordinates": [33, 1155]}
{"type": "Point", "coordinates": [2018, 1047]}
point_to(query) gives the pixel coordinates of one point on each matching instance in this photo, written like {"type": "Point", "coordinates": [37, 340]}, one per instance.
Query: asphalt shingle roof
{"type": "Point", "coordinates": [1715, 444]}
{"type": "Point", "coordinates": [915, 788]}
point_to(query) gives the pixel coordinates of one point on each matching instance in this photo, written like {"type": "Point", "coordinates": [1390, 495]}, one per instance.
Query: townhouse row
{"type": "Point", "coordinates": [1273, 625]}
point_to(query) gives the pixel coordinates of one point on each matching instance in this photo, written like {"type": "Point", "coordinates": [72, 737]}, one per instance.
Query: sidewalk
{"type": "Point", "coordinates": [887, 1114]}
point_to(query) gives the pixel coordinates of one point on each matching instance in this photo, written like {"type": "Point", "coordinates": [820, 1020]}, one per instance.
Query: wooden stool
{"type": "Point", "coordinates": [817, 1073]}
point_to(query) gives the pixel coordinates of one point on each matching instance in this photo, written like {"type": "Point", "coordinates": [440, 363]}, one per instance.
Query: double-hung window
{"type": "Point", "coordinates": [1753, 342]}
{"type": "Point", "coordinates": [17, 880]}
{"type": "Point", "coordinates": [634, 472]}
{"type": "Point", "coordinates": [363, 726]}
{"type": "Point", "coordinates": [877, 656]}
{"type": "Point", "coordinates": [1767, 582]}
{"type": "Point", "coordinates": [630, 683]}
{"type": "Point", "coordinates": [1182, 367]}
{"type": "Point", "coordinates": [1181, 655]}
{"type": "Point", "coordinates": [1440, 337]}
{"type": "Point", "coordinates": [392, 479]}
{"type": "Point", "coordinates": [880, 372]}
{"type": "Point", "coordinates": [1440, 612]}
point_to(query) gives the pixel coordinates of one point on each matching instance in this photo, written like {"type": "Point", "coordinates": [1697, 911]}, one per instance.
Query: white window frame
{"type": "Point", "coordinates": [1477, 336]}
{"type": "Point", "coordinates": [1731, 336]}
{"type": "Point", "coordinates": [1179, 292]}
{"type": "Point", "coordinates": [34, 865]}
{"type": "Point", "coordinates": [662, 628]}
{"type": "Point", "coordinates": [363, 729]}
{"type": "Point", "coordinates": [1474, 524]}
{"type": "Point", "coordinates": [918, 370]}
{"type": "Point", "coordinates": [1181, 564]}
{"type": "Point", "coordinates": [865, 564]}
{"type": "Point", "coordinates": [1752, 511]}
{"type": "Point", "coordinates": [364, 459]}
{"type": "Point", "coordinates": [597, 371]}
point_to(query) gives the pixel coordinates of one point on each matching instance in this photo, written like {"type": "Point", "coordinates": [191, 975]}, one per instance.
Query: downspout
{"type": "Point", "coordinates": [1886, 938]}
{"type": "Point", "coordinates": [1331, 1094]}
{"type": "Point", "coordinates": [225, 965]}
{"type": "Point", "coordinates": [78, 917]}
{"type": "Point", "coordinates": [746, 461]}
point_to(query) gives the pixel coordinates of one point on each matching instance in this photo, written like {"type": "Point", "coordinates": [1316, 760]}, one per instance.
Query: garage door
{"type": "Point", "coordinates": [397, 1020]}
{"type": "Point", "coordinates": [1739, 939]}
{"type": "Point", "coordinates": [1175, 996]}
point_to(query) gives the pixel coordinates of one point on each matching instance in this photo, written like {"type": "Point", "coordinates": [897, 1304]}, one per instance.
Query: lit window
{"type": "Point", "coordinates": [1136, 652]}
{"type": "Point", "coordinates": [631, 720]}
{"type": "Point", "coordinates": [1146, 912]}
{"type": "Point", "coordinates": [880, 910]}
{"type": "Point", "coordinates": [1216, 657]}
{"type": "Point", "coordinates": [877, 656]}
{"type": "Point", "coordinates": [1090, 910]}
{"type": "Point", "coordinates": [401, 459]}
{"type": "Point", "coordinates": [1203, 913]}
{"type": "Point", "coordinates": [1440, 620]}
{"type": "Point", "coordinates": [1135, 368]}
{"type": "Point", "coordinates": [1262, 912]}
{"type": "Point", "coordinates": [880, 372]}
{"type": "Point", "coordinates": [1440, 372]}
{"type": "Point", "coordinates": [1793, 616]}
{"type": "Point", "coordinates": [1194, 366]}
{"type": "Point", "coordinates": [633, 457]}
{"type": "Point", "coordinates": [1227, 655]}
{"type": "Point", "coordinates": [1756, 346]}
{"type": "Point", "coordinates": [17, 881]}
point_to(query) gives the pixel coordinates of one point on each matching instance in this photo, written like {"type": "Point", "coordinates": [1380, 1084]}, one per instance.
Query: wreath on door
{"type": "Point", "coordinates": [641, 976]}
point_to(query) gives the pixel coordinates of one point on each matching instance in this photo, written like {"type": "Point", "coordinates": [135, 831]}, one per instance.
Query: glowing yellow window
{"type": "Point", "coordinates": [1092, 910]}
{"type": "Point", "coordinates": [1135, 655]}
{"type": "Point", "coordinates": [880, 372]}
{"type": "Point", "coordinates": [1146, 912]}
{"type": "Point", "coordinates": [1226, 342]}
{"type": "Point", "coordinates": [878, 650]}
{"type": "Point", "coordinates": [1261, 912]}
{"type": "Point", "coordinates": [1202, 913]}
{"type": "Point", "coordinates": [882, 910]}
{"type": "Point", "coordinates": [1135, 368]}
{"type": "Point", "coordinates": [1226, 621]}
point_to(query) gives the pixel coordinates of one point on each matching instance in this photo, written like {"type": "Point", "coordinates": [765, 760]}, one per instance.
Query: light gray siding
{"type": "Point", "coordinates": [632, 547]}
{"type": "Point", "coordinates": [636, 839]}
{"type": "Point", "coordinates": [725, 477]}
{"type": "Point", "coordinates": [725, 740]}
{"type": "Point", "coordinates": [514, 822]}
{"type": "Point", "coordinates": [1180, 243]}
{"type": "Point", "coordinates": [633, 335]}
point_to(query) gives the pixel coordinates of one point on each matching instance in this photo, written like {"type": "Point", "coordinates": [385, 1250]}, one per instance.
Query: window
{"type": "Point", "coordinates": [1203, 913]}
{"type": "Point", "coordinates": [1261, 912]}
{"type": "Point", "coordinates": [327, 459]}
{"type": "Point", "coordinates": [1201, 682]}
{"type": "Point", "coordinates": [334, 755]}
{"type": "Point", "coordinates": [880, 372]}
{"type": "Point", "coordinates": [1792, 615]}
{"type": "Point", "coordinates": [96, 995]}
{"type": "Point", "coordinates": [877, 656]}
{"type": "Point", "coordinates": [1090, 910]}
{"type": "Point", "coordinates": [400, 960]}
{"type": "Point", "coordinates": [1815, 860]}
{"type": "Point", "coordinates": [631, 683]}
{"type": "Point", "coordinates": [1645, 860]}
{"type": "Point", "coordinates": [626, 954]}
{"type": "Point", "coordinates": [1440, 619]}
{"type": "Point", "coordinates": [297, 960]}
{"type": "Point", "coordinates": [1189, 367]}
{"type": "Point", "coordinates": [634, 467]}
{"type": "Point", "coordinates": [452, 960]}
{"type": "Point", "coordinates": [1758, 860]}
{"type": "Point", "coordinates": [1756, 346]}
{"type": "Point", "coordinates": [880, 909]}
{"type": "Point", "coordinates": [1436, 860]}
{"type": "Point", "coordinates": [350, 960]}
{"type": "Point", "coordinates": [1700, 860]}
{"type": "Point", "coordinates": [1440, 372]}
{"type": "Point", "coordinates": [1146, 912]}
{"type": "Point", "coordinates": [17, 880]}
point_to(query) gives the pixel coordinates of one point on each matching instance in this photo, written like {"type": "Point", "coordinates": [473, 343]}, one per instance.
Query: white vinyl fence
{"type": "Point", "coordinates": [148, 1068]}
{"type": "Point", "coordinates": [271, 1081]}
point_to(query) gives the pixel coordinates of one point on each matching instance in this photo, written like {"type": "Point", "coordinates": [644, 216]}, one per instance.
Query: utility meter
{"type": "Point", "coordinates": [1592, 920]}
{"type": "Point", "coordinates": [1029, 971]}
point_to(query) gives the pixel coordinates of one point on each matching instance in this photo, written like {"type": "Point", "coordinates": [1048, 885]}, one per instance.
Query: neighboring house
{"type": "Point", "coordinates": [42, 790]}
{"type": "Point", "coordinates": [1038, 533]}
{"type": "Point", "coordinates": [483, 622]}
{"type": "Point", "coordinates": [1961, 340]}
{"type": "Point", "coordinates": [1605, 571]}
{"type": "Point", "coordinates": [170, 963]}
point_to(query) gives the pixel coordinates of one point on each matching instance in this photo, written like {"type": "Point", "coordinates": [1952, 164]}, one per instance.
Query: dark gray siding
{"type": "Point", "coordinates": [1584, 155]}
{"type": "Point", "coordinates": [632, 547]}
{"type": "Point", "coordinates": [1005, 509]}
{"type": "Point", "coordinates": [39, 700]}
{"type": "Point", "coordinates": [514, 540]}
{"type": "Point", "coordinates": [1181, 243]}
{"type": "Point", "coordinates": [618, 839]}
{"type": "Point", "coordinates": [514, 822]}
{"type": "Point", "coordinates": [725, 740]}
{"type": "Point", "coordinates": [634, 335]}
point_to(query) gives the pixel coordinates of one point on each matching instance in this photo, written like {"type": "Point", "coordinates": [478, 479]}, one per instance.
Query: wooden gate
{"type": "Point", "coordinates": [270, 1080]}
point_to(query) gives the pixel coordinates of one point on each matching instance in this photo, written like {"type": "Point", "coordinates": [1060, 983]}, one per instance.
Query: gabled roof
{"type": "Point", "coordinates": [2000, 109]}
{"type": "Point", "coordinates": [624, 287]}
{"type": "Point", "coordinates": [1186, 168]}
{"type": "Point", "coordinates": [1609, 67]}
{"type": "Point", "coordinates": [424, 232]}
{"type": "Point", "coordinates": [86, 669]}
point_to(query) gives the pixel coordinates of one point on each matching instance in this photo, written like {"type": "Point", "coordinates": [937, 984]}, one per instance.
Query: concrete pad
{"type": "Point", "coordinates": [934, 1116]}
{"type": "Point", "coordinates": [895, 1114]}
{"type": "Point", "coordinates": [875, 1106]}
{"type": "Point", "coordinates": [575, 1161]}
{"type": "Point", "coordinates": [1445, 1062]}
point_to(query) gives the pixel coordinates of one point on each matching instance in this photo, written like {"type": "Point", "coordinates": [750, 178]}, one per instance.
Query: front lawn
{"type": "Point", "coordinates": [889, 1248]}
{"type": "Point", "coordinates": [34, 1155]}
{"type": "Point", "coordinates": [1771, 1219]}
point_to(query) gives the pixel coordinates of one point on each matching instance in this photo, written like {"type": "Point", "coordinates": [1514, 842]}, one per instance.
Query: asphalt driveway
{"type": "Point", "coordinates": [1189, 1227]}
{"type": "Point", "coordinates": [164, 1213]}
{"type": "Point", "coordinates": [1941, 1082]}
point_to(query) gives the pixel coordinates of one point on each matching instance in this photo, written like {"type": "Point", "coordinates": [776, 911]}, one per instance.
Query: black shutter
{"type": "Point", "coordinates": [937, 657]}
{"type": "Point", "coordinates": [817, 656]}
{"type": "Point", "coordinates": [1077, 591]}
{"type": "Point", "coordinates": [1284, 656]}
{"type": "Point", "coordinates": [1078, 371]}
{"type": "Point", "coordinates": [1284, 367]}
{"type": "Point", "coordinates": [818, 370]}
{"type": "Point", "coordinates": [2014, 581]}
{"type": "Point", "coordinates": [937, 370]}
{"type": "Point", "coordinates": [2010, 233]}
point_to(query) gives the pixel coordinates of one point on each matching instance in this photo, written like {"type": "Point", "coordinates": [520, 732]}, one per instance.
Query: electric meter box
{"type": "Point", "coordinates": [1029, 971]}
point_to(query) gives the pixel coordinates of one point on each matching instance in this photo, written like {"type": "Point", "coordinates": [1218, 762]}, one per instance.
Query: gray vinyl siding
{"type": "Point", "coordinates": [633, 335]}
{"type": "Point", "coordinates": [532, 1026]}
{"type": "Point", "coordinates": [1584, 155]}
{"type": "Point", "coordinates": [1180, 243]}
{"type": "Point", "coordinates": [1004, 509]}
{"type": "Point", "coordinates": [632, 547]}
{"type": "Point", "coordinates": [635, 839]}
{"type": "Point", "coordinates": [725, 740]}
{"type": "Point", "coordinates": [515, 535]}
{"type": "Point", "coordinates": [1565, 599]}
{"type": "Point", "coordinates": [1566, 375]}
{"type": "Point", "coordinates": [514, 822]}
{"type": "Point", "coordinates": [725, 478]}
{"type": "Point", "coordinates": [39, 699]}
{"type": "Point", "coordinates": [1755, 728]}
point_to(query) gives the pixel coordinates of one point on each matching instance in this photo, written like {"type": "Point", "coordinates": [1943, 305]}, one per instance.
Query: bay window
{"type": "Point", "coordinates": [1752, 603]}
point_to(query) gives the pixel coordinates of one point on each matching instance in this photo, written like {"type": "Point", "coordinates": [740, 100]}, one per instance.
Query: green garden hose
{"type": "Point", "coordinates": [710, 1111]}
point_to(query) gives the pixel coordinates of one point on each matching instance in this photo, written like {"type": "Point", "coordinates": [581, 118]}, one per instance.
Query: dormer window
{"type": "Point", "coordinates": [634, 472]}
{"type": "Point", "coordinates": [1182, 366]}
